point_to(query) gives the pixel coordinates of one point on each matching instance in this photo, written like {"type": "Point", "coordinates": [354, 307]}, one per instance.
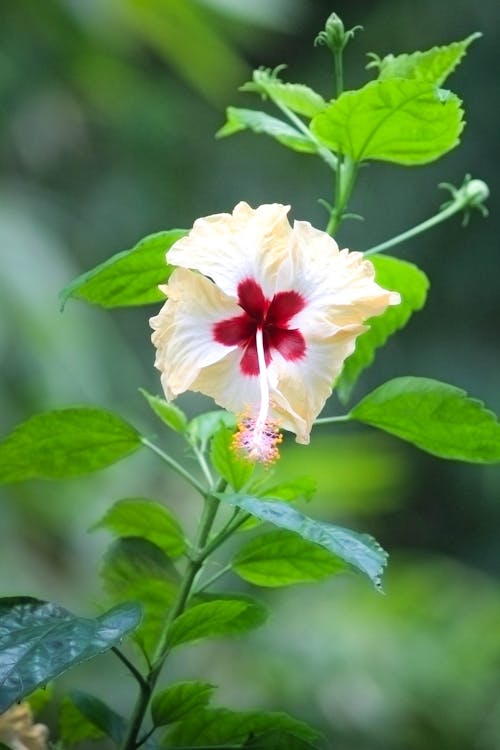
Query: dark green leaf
{"type": "Point", "coordinates": [100, 715]}
{"type": "Point", "coordinates": [234, 469]}
{"type": "Point", "coordinates": [170, 414]}
{"type": "Point", "coordinates": [360, 551]}
{"type": "Point", "coordinates": [203, 427]}
{"type": "Point", "coordinates": [220, 726]}
{"type": "Point", "coordinates": [434, 65]}
{"type": "Point", "coordinates": [65, 443]}
{"type": "Point", "coordinates": [412, 284]}
{"type": "Point", "coordinates": [281, 558]}
{"type": "Point", "coordinates": [136, 569]}
{"type": "Point", "coordinates": [74, 727]}
{"type": "Point", "coordinates": [39, 641]}
{"type": "Point", "coordinates": [215, 617]}
{"type": "Point", "coordinates": [127, 278]}
{"type": "Point", "coordinates": [434, 416]}
{"type": "Point", "coordinates": [138, 517]}
{"type": "Point", "coordinates": [398, 120]}
{"type": "Point", "coordinates": [177, 701]}
{"type": "Point", "coordinates": [260, 122]}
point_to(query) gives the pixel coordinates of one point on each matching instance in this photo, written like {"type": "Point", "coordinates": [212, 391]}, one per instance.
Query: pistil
{"type": "Point", "coordinates": [257, 438]}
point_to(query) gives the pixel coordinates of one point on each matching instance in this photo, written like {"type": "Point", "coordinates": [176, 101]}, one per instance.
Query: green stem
{"type": "Point", "coordinates": [175, 466]}
{"type": "Point", "coordinates": [214, 578]}
{"type": "Point", "coordinates": [453, 208]}
{"type": "Point", "coordinates": [193, 567]}
{"type": "Point", "coordinates": [323, 152]}
{"type": "Point", "coordinates": [132, 669]}
{"type": "Point", "coordinates": [344, 184]}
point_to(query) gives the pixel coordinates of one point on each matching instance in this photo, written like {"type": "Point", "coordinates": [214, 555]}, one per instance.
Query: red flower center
{"type": "Point", "coordinates": [272, 316]}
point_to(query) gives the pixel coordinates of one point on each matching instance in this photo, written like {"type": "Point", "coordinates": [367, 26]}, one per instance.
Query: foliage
{"type": "Point", "coordinates": [154, 573]}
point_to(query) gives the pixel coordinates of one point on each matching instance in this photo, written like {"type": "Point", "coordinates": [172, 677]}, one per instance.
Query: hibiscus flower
{"type": "Point", "coordinates": [261, 316]}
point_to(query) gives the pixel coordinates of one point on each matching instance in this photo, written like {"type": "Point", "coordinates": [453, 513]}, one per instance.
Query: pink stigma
{"type": "Point", "coordinates": [272, 316]}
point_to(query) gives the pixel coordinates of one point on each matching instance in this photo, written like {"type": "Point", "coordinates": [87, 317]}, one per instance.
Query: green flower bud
{"type": "Point", "coordinates": [334, 34]}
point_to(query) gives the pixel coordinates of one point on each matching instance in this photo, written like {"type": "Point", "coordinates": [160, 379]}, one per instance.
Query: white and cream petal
{"type": "Point", "coordinates": [303, 386]}
{"type": "Point", "coordinates": [228, 248]}
{"type": "Point", "coordinates": [183, 329]}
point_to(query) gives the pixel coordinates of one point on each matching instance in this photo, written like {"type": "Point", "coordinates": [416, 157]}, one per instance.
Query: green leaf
{"type": "Point", "coordinates": [136, 569]}
{"type": "Point", "coordinates": [128, 278]}
{"type": "Point", "coordinates": [170, 414]}
{"type": "Point", "coordinates": [281, 558]}
{"type": "Point", "coordinates": [295, 96]}
{"type": "Point", "coordinates": [360, 551]}
{"type": "Point", "coordinates": [40, 698]}
{"type": "Point", "coordinates": [179, 700]}
{"type": "Point", "coordinates": [433, 65]}
{"type": "Point", "coordinates": [412, 284]}
{"type": "Point", "coordinates": [228, 615]}
{"type": "Point", "coordinates": [397, 120]}
{"type": "Point", "coordinates": [260, 122]}
{"type": "Point", "coordinates": [74, 727]}
{"type": "Point", "coordinates": [217, 727]}
{"type": "Point", "coordinates": [40, 640]}
{"type": "Point", "coordinates": [65, 443]}
{"type": "Point", "coordinates": [203, 427]}
{"type": "Point", "coordinates": [300, 488]}
{"type": "Point", "coordinates": [234, 469]}
{"type": "Point", "coordinates": [100, 715]}
{"type": "Point", "coordinates": [138, 517]}
{"type": "Point", "coordinates": [434, 416]}
{"type": "Point", "coordinates": [253, 616]}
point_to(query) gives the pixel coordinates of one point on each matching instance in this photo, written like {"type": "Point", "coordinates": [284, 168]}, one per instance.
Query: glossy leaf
{"type": "Point", "coordinates": [217, 727]}
{"type": "Point", "coordinates": [128, 278]}
{"type": "Point", "coordinates": [433, 65]}
{"type": "Point", "coordinates": [65, 443]}
{"type": "Point", "coordinates": [360, 551]}
{"type": "Point", "coordinates": [180, 700]}
{"type": "Point", "coordinates": [135, 569]}
{"type": "Point", "coordinates": [40, 640]}
{"type": "Point", "coordinates": [138, 517]}
{"type": "Point", "coordinates": [216, 617]}
{"type": "Point", "coordinates": [281, 558]}
{"type": "Point", "coordinates": [434, 416]}
{"type": "Point", "coordinates": [100, 715]}
{"type": "Point", "coordinates": [412, 284]}
{"type": "Point", "coordinates": [260, 122]}
{"type": "Point", "coordinates": [234, 469]}
{"type": "Point", "coordinates": [295, 96]}
{"type": "Point", "coordinates": [170, 414]}
{"type": "Point", "coordinates": [397, 120]}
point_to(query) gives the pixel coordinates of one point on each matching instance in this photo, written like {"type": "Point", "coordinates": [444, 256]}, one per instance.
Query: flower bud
{"type": "Point", "coordinates": [476, 192]}
{"type": "Point", "coordinates": [334, 34]}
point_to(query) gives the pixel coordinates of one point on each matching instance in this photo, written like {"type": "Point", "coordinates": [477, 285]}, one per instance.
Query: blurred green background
{"type": "Point", "coordinates": [108, 110]}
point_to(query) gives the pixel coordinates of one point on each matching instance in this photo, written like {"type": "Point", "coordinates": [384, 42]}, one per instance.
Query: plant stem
{"type": "Point", "coordinates": [175, 466]}
{"type": "Point", "coordinates": [132, 669]}
{"type": "Point", "coordinates": [450, 210]}
{"type": "Point", "coordinates": [344, 184]}
{"type": "Point", "coordinates": [195, 563]}
{"type": "Point", "coordinates": [323, 152]}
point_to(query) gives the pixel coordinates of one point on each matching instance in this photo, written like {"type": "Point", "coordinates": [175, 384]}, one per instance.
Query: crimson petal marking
{"type": "Point", "coordinates": [289, 342]}
{"type": "Point", "coordinates": [249, 362]}
{"type": "Point", "coordinates": [252, 299]}
{"type": "Point", "coordinates": [283, 307]}
{"type": "Point", "coordinates": [234, 331]}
